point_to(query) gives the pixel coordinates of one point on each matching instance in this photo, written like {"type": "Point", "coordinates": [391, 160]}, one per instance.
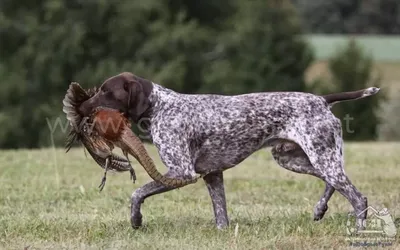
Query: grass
{"type": "Point", "coordinates": [50, 200]}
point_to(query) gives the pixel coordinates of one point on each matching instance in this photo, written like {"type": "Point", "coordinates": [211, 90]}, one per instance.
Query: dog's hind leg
{"type": "Point", "coordinates": [340, 182]}
{"type": "Point", "coordinates": [290, 156]}
{"type": "Point", "coordinates": [330, 170]}
{"type": "Point", "coordinates": [330, 163]}
{"type": "Point", "coordinates": [322, 205]}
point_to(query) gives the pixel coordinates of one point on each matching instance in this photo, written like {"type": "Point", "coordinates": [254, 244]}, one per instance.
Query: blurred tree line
{"type": "Point", "coordinates": [226, 46]}
{"type": "Point", "coordinates": [350, 16]}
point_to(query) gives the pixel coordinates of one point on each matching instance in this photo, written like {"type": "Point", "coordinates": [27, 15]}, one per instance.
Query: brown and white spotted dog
{"type": "Point", "coordinates": [205, 133]}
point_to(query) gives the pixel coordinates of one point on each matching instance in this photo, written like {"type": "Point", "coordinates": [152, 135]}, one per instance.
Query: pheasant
{"type": "Point", "coordinates": [114, 127]}
{"type": "Point", "coordinates": [104, 129]}
{"type": "Point", "coordinates": [98, 148]}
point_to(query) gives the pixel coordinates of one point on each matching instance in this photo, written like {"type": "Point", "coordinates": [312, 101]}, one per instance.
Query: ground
{"type": "Point", "coordinates": [50, 200]}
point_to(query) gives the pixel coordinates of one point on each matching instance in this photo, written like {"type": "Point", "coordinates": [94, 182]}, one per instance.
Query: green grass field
{"type": "Point", "coordinates": [50, 200]}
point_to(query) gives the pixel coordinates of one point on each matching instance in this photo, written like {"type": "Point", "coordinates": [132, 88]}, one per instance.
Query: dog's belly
{"type": "Point", "coordinates": [219, 154]}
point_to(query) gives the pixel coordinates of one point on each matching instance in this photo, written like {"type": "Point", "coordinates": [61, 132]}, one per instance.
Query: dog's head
{"type": "Point", "coordinates": [124, 92]}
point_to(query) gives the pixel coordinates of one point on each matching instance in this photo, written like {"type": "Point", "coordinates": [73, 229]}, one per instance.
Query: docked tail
{"type": "Point", "coordinates": [331, 99]}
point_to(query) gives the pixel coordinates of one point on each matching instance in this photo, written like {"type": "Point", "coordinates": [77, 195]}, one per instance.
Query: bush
{"type": "Point", "coordinates": [47, 44]}
{"type": "Point", "coordinates": [389, 129]}
{"type": "Point", "coordinates": [352, 69]}
{"type": "Point", "coordinates": [262, 49]}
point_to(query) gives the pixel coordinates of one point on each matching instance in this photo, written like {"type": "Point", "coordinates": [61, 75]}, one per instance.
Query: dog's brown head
{"type": "Point", "coordinates": [124, 92]}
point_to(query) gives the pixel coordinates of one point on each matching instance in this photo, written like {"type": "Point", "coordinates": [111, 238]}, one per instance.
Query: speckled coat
{"type": "Point", "coordinates": [208, 134]}
{"type": "Point", "coordinates": [199, 133]}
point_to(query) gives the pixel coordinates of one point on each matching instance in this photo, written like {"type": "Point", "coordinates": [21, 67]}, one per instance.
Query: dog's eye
{"type": "Point", "coordinates": [126, 87]}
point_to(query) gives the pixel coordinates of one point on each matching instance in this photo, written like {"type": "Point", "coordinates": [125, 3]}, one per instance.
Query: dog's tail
{"type": "Point", "coordinates": [331, 99]}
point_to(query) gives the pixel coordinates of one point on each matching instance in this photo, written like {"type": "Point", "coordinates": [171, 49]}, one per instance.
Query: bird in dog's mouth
{"type": "Point", "coordinates": [101, 131]}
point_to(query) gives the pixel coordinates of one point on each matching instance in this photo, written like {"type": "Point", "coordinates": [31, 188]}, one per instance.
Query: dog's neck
{"type": "Point", "coordinates": [140, 109]}
{"type": "Point", "coordinates": [160, 96]}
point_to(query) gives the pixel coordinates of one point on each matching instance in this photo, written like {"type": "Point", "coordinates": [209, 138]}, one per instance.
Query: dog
{"type": "Point", "coordinates": [208, 134]}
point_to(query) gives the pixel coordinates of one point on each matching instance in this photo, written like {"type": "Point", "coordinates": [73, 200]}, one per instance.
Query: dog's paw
{"type": "Point", "coordinates": [136, 221]}
{"type": "Point", "coordinates": [319, 212]}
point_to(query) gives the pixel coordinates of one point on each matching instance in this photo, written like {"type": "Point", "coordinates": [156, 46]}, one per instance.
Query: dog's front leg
{"type": "Point", "coordinates": [215, 186]}
{"type": "Point", "coordinates": [176, 158]}
{"type": "Point", "coordinates": [140, 195]}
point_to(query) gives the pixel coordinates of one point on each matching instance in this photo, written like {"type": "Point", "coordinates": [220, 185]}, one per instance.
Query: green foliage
{"type": "Point", "coordinates": [389, 129]}
{"type": "Point", "coordinates": [350, 16]}
{"type": "Point", "coordinates": [351, 70]}
{"type": "Point", "coordinates": [227, 47]}
{"type": "Point", "coordinates": [260, 50]}
{"type": "Point", "coordinates": [51, 43]}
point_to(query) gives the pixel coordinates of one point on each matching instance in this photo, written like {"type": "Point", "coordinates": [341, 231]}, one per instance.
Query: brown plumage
{"type": "Point", "coordinates": [115, 128]}
{"type": "Point", "coordinates": [104, 129]}
{"type": "Point", "coordinates": [98, 147]}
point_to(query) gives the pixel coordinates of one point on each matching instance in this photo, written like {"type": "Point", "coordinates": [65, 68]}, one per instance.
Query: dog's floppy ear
{"type": "Point", "coordinates": [138, 101]}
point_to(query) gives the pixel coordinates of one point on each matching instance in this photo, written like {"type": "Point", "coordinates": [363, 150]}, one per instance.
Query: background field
{"type": "Point", "coordinates": [389, 71]}
{"type": "Point", "coordinates": [383, 49]}
{"type": "Point", "coordinates": [50, 200]}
